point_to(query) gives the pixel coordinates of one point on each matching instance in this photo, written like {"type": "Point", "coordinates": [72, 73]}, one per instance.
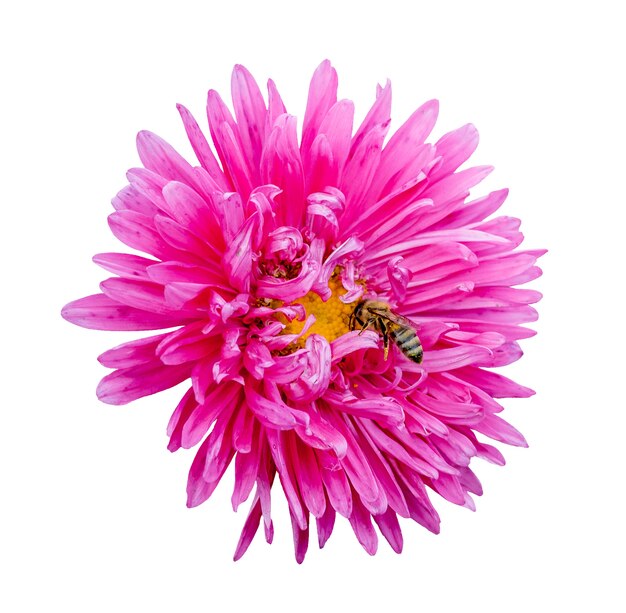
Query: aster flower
{"type": "Point", "coordinates": [257, 259]}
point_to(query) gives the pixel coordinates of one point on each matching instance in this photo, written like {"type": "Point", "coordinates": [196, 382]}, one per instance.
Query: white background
{"type": "Point", "coordinates": [93, 511]}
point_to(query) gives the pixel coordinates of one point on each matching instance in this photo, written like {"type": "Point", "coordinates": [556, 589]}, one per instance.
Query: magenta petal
{"type": "Point", "coordinates": [325, 525]}
{"type": "Point", "coordinates": [204, 415]}
{"type": "Point", "coordinates": [328, 153]}
{"type": "Point", "coordinates": [315, 377]}
{"type": "Point", "coordinates": [378, 117]}
{"type": "Point", "coordinates": [361, 522]}
{"type": "Point", "coordinates": [337, 485]}
{"type": "Point", "coordinates": [225, 136]}
{"type": "Point", "coordinates": [128, 384]}
{"type": "Point", "coordinates": [322, 96]}
{"type": "Point", "coordinates": [179, 418]}
{"type": "Point", "coordinates": [403, 145]}
{"type": "Point", "coordinates": [275, 106]}
{"type": "Point", "coordinates": [134, 199]}
{"type": "Point", "coordinates": [132, 353]}
{"type": "Point", "coordinates": [250, 113]}
{"type": "Point", "coordinates": [281, 164]}
{"type": "Point", "coordinates": [138, 231]}
{"type": "Point", "coordinates": [499, 430]}
{"type": "Point", "coordinates": [138, 294]}
{"type": "Point", "coordinates": [243, 430]}
{"type": "Point", "coordinates": [163, 159]}
{"type": "Point", "coordinates": [190, 210]}
{"type": "Point", "coordinates": [202, 149]}
{"type": "Point", "coordinates": [274, 413]}
{"type": "Point", "coordinates": [246, 469]}
{"type": "Point", "coordinates": [390, 529]}
{"type": "Point", "coordinates": [238, 257]}
{"type": "Point", "coordinates": [249, 529]}
{"type": "Point", "coordinates": [360, 170]}
{"type": "Point", "coordinates": [309, 480]}
{"type": "Point", "coordinates": [300, 540]}
{"type": "Point", "coordinates": [456, 147]}
{"type": "Point", "coordinates": [99, 312]}
{"type": "Point", "coordinates": [284, 468]}
{"type": "Point", "coordinates": [125, 265]}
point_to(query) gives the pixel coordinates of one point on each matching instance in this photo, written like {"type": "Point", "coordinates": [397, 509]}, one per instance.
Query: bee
{"type": "Point", "coordinates": [380, 316]}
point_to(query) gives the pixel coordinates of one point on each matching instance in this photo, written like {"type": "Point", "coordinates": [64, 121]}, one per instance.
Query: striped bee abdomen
{"type": "Point", "coordinates": [407, 341]}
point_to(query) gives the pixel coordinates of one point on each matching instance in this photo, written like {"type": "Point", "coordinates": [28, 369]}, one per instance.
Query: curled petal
{"type": "Point", "coordinates": [399, 277]}
{"type": "Point", "coordinates": [351, 247]}
{"type": "Point", "coordinates": [315, 376]}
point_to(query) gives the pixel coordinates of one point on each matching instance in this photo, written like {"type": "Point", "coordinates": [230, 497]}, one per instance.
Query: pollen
{"type": "Point", "coordinates": [331, 317]}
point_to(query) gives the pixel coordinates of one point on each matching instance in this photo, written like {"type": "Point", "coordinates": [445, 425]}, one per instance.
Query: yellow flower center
{"type": "Point", "coordinates": [331, 317]}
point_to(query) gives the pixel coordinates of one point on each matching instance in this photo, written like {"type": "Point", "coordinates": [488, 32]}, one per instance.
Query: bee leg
{"type": "Point", "coordinates": [367, 324]}
{"type": "Point", "coordinates": [385, 332]}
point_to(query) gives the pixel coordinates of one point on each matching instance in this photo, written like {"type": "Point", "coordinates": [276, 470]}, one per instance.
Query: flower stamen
{"type": "Point", "coordinates": [331, 317]}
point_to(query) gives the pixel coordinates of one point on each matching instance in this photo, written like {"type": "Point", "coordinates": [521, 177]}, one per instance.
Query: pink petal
{"type": "Point", "coordinates": [281, 165]}
{"type": "Point", "coordinates": [190, 210]}
{"type": "Point", "coordinates": [494, 384]}
{"type": "Point", "coordinates": [496, 428]}
{"type": "Point", "coordinates": [249, 529]}
{"type": "Point", "coordinates": [243, 429]}
{"type": "Point", "coordinates": [475, 211]}
{"type": "Point", "coordinates": [187, 245]}
{"type": "Point", "coordinates": [398, 155]}
{"type": "Point", "coordinates": [250, 113]}
{"type": "Point", "coordinates": [99, 312]}
{"type": "Point", "coordinates": [238, 257]}
{"type": "Point", "coordinates": [131, 198]}
{"type": "Point", "coordinates": [284, 468]}
{"type": "Point", "coordinates": [246, 469]}
{"type": "Point", "coordinates": [378, 117]}
{"type": "Point", "coordinates": [300, 539]}
{"type": "Point", "coordinates": [138, 231]}
{"type": "Point", "coordinates": [275, 106]}
{"type": "Point", "coordinates": [225, 136]}
{"type": "Point", "coordinates": [325, 525]}
{"type": "Point", "coordinates": [125, 265]}
{"type": "Point", "coordinates": [324, 161]}
{"type": "Point", "coordinates": [219, 450]}
{"type": "Point", "coordinates": [336, 484]}
{"type": "Point", "coordinates": [221, 399]}
{"type": "Point", "coordinates": [179, 418]}
{"type": "Point", "coordinates": [455, 148]}
{"type": "Point", "coordinates": [132, 353]}
{"type": "Point", "coordinates": [455, 357]}
{"type": "Point", "coordinates": [315, 377]}
{"type": "Point", "coordinates": [309, 480]}
{"type": "Point", "coordinates": [322, 96]}
{"type": "Point", "coordinates": [360, 171]}
{"type": "Point", "coordinates": [390, 529]}
{"type": "Point", "coordinates": [160, 157]}
{"type": "Point", "coordinates": [274, 413]}
{"type": "Point", "coordinates": [202, 149]}
{"type": "Point", "coordinates": [361, 522]}
{"type": "Point", "coordinates": [143, 295]}
{"type": "Point", "coordinates": [128, 384]}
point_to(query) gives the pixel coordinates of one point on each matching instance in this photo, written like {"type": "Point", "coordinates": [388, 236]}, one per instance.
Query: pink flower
{"type": "Point", "coordinates": [259, 257]}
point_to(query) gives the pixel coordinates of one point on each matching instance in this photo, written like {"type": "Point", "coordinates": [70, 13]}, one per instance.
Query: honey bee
{"type": "Point", "coordinates": [380, 316]}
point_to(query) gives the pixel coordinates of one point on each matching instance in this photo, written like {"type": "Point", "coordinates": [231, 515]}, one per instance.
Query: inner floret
{"type": "Point", "coordinates": [331, 317]}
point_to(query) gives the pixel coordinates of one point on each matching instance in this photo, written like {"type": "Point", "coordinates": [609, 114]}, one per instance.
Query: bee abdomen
{"type": "Point", "coordinates": [408, 343]}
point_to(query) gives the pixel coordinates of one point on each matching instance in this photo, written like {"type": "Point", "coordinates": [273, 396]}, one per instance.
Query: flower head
{"type": "Point", "coordinates": [301, 279]}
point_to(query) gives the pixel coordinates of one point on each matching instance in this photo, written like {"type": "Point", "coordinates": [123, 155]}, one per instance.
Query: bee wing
{"type": "Point", "coordinates": [389, 315]}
